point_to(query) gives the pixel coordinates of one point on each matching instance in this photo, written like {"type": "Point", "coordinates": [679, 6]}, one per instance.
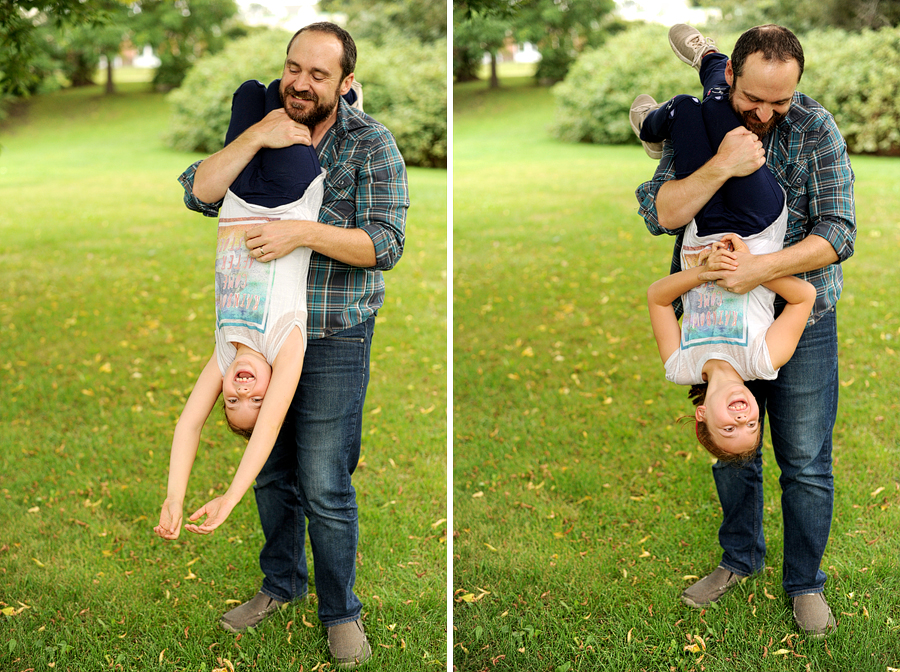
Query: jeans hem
{"type": "Point", "coordinates": [342, 621]}
{"type": "Point", "coordinates": [806, 591]}
{"type": "Point", "coordinates": [269, 593]}
{"type": "Point", "coordinates": [725, 565]}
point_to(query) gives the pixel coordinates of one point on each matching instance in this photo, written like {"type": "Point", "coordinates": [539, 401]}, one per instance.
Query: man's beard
{"type": "Point", "coordinates": [751, 123]}
{"type": "Point", "coordinates": [319, 112]}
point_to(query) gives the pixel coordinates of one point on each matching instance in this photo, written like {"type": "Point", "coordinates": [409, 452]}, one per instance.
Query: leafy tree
{"type": "Point", "coordinates": [378, 21]}
{"type": "Point", "coordinates": [804, 15]}
{"type": "Point", "coordinates": [561, 29]}
{"type": "Point", "coordinates": [22, 68]}
{"type": "Point", "coordinates": [77, 49]}
{"type": "Point", "coordinates": [474, 34]}
{"type": "Point", "coordinates": [181, 32]}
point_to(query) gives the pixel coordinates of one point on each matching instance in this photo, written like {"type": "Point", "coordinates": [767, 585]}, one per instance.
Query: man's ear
{"type": "Point", "coordinates": [729, 73]}
{"type": "Point", "coordinates": [347, 83]}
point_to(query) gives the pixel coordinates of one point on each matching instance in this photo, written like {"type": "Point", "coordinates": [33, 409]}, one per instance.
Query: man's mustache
{"type": "Point", "coordinates": [302, 95]}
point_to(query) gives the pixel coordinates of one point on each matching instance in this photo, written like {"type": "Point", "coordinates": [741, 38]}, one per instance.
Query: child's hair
{"type": "Point", "coordinates": [240, 431]}
{"type": "Point", "coordinates": [697, 394]}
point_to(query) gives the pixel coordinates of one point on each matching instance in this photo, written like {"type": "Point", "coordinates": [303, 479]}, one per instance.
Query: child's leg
{"type": "Point", "coordinates": [247, 107]}
{"type": "Point", "coordinates": [285, 173]}
{"type": "Point", "coordinates": [681, 121]}
{"type": "Point", "coordinates": [277, 176]}
{"type": "Point", "coordinates": [712, 72]}
{"type": "Point", "coordinates": [749, 204]}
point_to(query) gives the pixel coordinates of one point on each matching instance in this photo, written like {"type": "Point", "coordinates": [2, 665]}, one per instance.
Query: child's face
{"type": "Point", "coordinates": [732, 416]}
{"type": "Point", "coordinates": [244, 387]}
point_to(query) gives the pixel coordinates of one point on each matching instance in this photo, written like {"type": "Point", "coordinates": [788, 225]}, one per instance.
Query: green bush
{"type": "Point", "coordinates": [594, 99]}
{"type": "Point", "coordinates": [404, 87]}
{"type": "Point", "coordinates": [856, 76]}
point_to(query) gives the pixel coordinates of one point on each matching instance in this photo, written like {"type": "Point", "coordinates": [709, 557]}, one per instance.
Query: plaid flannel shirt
{"type": "Point", "coordinates": [808, 157]}
{"type": "Point", "coordinates": [365, 188]}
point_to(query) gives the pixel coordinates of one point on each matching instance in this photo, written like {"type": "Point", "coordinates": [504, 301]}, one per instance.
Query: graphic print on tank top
{"type": "Point", "coordinates": [242, 283]}
{"type": "Point", "coordinates": [711, 314]}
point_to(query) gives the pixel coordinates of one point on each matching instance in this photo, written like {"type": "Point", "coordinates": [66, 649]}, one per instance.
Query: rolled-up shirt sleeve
{"type": "Point", "coordinates": [832, 209]}
{"type": "Point", "coordinates": [647, 192]}
{"type": "Point", "coordinates": [382, 200]}
{"type": "Point", "coordinates": [192, 202]}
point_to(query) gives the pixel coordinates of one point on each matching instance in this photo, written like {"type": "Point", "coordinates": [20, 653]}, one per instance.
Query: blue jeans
{"type": "Point", "coordinates": [307, 477]}
{"type": "Point", "coordinates": [801, 405]}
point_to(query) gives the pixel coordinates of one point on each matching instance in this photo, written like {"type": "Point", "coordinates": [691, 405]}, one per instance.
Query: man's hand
{"type": "Point", "coordinates": [741, 152]}
{"type": "Point", "coordinates": [216, 512]}
{"type": "Point", "coordinates": [169, 520]}
{"type": "Point", "coordinates": [271, 241]}
{"type": "Point", "coordinates": [723, 256]}
{"type": "Point", "coordinates": [277, 130]}
{"type": "Point", "coordinates": [746, 271]}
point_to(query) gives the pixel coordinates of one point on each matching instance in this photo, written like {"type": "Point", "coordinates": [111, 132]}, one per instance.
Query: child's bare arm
{"type": "Point", "coordinates": [785, 332]}
{"type": "Point", "coordinates": [662, 315]}
{"type": "Point", "coordinates": [285, 376]}
{"type": "Point", "coordinates": [184, 446]}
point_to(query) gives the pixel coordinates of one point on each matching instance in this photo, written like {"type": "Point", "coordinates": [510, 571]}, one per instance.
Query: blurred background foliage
{"type": "Point", "coordinates": [599, 63]}
{"type": "Point", "coordinates": [206, 51]}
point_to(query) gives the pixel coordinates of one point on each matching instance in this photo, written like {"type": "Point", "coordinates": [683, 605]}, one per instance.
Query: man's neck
{"type": "Point", "coordinates": [318, 132]}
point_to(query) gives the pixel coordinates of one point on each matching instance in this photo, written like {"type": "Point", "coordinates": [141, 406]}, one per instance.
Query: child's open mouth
{"type": "Point", "coordinates": [738, 406]}
{"type": "Point", "coordinates": [244, 377]}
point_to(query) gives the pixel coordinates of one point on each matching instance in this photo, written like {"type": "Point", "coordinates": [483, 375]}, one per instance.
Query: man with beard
{"type": "Point", "coordinates": [360, 233]}
{"type": "Point", "coordinates": [802, 146]}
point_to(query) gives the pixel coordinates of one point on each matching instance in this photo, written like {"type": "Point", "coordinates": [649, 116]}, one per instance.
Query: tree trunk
{"type": "Point", "coordinates": [110, 86]}
{"type": "Point", "coordinates": [495, 81]}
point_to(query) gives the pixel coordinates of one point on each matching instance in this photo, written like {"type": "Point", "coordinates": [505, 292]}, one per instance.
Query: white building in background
{"type": "Point", "coordinates": [146, 59]}
{"type": "Point", "coordinates": [666, 12]}
{"type": "Point", "coordinates": [286, 14]}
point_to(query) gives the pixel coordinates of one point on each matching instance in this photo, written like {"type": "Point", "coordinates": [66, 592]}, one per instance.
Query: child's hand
{"type": "Point", "coordinates": [736, 243]}
{"type": "Point", "coordinates": [169, 520]}
{"type": "Point", "coordinates": [216, 512]}
{"type": "Point", "coordinates": [721, 258]}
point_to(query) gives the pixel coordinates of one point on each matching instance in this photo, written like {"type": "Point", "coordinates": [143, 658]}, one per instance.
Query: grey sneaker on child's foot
{"type": "Point", "coordinates": [812, 614]}
{"type": "Point", "coordinates": [689, 45]}
{"type": "Point", "coordinates": [348, 644]}
{"type": "Point", "coordinates": [640, 108]}
{"type": "Point", "coordinates": [250, 613]}
{"type": "Point", "coordinates": [710, 588]}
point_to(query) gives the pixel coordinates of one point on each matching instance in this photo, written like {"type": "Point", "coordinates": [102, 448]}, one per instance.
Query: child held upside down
{"type": "Point", "coordinates": [260, 316]}
{"type": "Point", "coordinates": [724, 339]}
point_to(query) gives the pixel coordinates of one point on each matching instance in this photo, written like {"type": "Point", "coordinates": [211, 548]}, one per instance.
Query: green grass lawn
{"type": "Point", "coordinates": [581, 507]}
{"type": "Point", "coordinates": [106, 318]}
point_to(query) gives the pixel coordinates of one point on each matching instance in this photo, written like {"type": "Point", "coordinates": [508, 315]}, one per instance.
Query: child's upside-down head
{"type": "Point", "coordinates": [244, 387]}
{"type": "Point", "coordinates": [727, 422]}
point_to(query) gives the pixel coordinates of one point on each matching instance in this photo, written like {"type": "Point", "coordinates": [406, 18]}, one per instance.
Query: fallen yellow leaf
{"type": "Point", "coordinates": [781, 652]}
{"type": "Point", "coordinates": [877, 492]}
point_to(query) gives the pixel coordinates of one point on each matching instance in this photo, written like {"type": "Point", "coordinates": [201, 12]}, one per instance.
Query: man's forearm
{"type": "Point", "coordinates": [678, 201]}
{"type": "Point", "coordinates": [353, 247]}
{"type": "Point", "coordinates": [216, 173]}
{"type": "Point", "coordinates": [809, 254]}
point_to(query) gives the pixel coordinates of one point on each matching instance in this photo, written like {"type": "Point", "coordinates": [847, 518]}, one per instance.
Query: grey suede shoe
{"type": "Point", "coordinates": [710, 588]}
{"type": "Point", "coordinates": [348, 644]}
{"type": "Point", "coordinates": [640, 108]}
{"type": "Point", "coordinates": [689, 45]}
{"type": "Point", "coordinates": [250, 613]}
{"type": "Point", "coordinates": [813, 615]}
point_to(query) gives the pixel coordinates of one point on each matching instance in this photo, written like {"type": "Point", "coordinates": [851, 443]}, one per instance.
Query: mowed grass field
{"type": "Point", "coordinates": [106, 319]}
{"type": "Point", "coordinates": [582, 508]}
